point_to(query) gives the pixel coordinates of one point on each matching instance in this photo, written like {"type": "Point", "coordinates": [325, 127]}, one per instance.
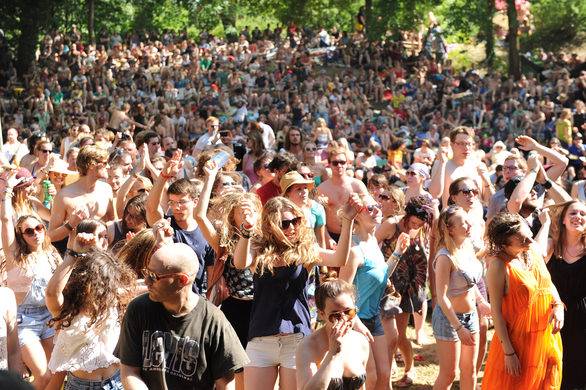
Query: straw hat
{"type": "Point", "coordinates": [60, 166]}
{"type": "Point", "coordinates": [292, 178]}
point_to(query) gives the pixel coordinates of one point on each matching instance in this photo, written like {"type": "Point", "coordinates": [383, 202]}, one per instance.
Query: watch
{"type": "Point", "coordinates": [548, 184]}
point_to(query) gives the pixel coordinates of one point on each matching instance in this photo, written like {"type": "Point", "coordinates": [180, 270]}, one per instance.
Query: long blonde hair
{"type": "Point", "coordinates": [274, 247]}
{"type": "Point", "coordinates": [225, 206]}
{"type": "Point", "coordinates": [445, 239]}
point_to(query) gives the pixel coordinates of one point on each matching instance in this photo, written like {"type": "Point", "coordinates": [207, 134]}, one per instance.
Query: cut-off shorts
{"type": "Point", "coordinates": [32, 324]}
{"type": "Point", "coordinates": [443, 329]}
{"type": "Point", "coordinates": [272, 351]}
{"type": "Point", "coordinates": [374, 325]}
{"type": "Point", "coordinates": [112, 383]}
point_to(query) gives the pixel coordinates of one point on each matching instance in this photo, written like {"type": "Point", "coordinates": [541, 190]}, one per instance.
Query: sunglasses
{"type": "Point", "coordinates": [266, 165]}
{"type": "Point", "coordinates": [47, 151]}
{"type": "Point", "coordinates": [154, 143]}
{"type": "Point", "coordinates": [155, 277]}
{"type": "Point", "coordinates": [349, 314]}
{"type": "Point", "coordinates": [371, 207]}
{"type": "Point", "coordinates": [411, 173]}
{"type": "Point", "coordinates": [307, 176]}
{"type": "Point", "coordinates": [224, 133]}
{"type": "Point", "coordinates": [31, 231]}
{"type": "Point", "coordinates": [288, 222]}
{"type": "Point", "coordinates": [228, 184]}
{"type": "Point", "coordinates": [337, 163]}
{"type": "Point", "coordinates": [384, 197]}
{"type": "Point", "coordinates": [310, 149]}
{"type": "Point", "coordinates": [468, 191]}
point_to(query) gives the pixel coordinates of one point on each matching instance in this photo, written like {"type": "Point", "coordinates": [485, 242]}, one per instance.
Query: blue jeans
{"type": "Point", "coordinates": [112, 383]}
{"type": "Point", "coordinates": [443, 329]}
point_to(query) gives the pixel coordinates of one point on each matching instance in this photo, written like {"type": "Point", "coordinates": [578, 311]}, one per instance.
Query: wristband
{"type": "Point", "coordinates": [165, 176]}
{"type": "Point", "coordinates": [459, 327]}
{"type": "Point", "coordinates": [68, 226]}
{"type": "Point", "coordinates": [245, 232]}
{"type": "Point", "coordinates": [510, 354]}
{"type": "Point", "coordinates": [398, 256]}
{"type": "Point", "coordinates": [554, 304]}
{"type": "Point", "coordinates": [75, 254]}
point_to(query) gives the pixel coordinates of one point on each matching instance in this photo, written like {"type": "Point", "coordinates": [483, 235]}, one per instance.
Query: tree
{"type": "Point", "coordinates": [513, 39]}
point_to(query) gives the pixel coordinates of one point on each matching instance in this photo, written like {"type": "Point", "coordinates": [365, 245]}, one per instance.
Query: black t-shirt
{"type": "Point", "coordinates": [187, 352]}
{"type": "Point", "coordinates": [205, 253]}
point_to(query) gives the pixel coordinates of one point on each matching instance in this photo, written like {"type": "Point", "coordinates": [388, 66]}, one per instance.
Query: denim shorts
{"type": "Point", "coordinates": [272, 351]}
{"type": "Point", "coordinates": [32, 324]}
{"type": "Point", "coordinates": [443, 329]}
{"type": "Point", "coordinates": [112, 383]}
{"type": "Point", "coordinates": [374, 325]}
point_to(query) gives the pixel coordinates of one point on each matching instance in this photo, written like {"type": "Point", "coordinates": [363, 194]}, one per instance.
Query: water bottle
{"type": "Point", "coordinates": [221, 159]}
{"type": "Point", "coordinates": [47, 198]}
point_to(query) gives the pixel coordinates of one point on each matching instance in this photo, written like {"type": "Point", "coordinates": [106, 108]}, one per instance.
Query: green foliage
{"type": "Point", "coordinates": [557, 22]}
{"type": "Point", "coordinates": [397, 15]}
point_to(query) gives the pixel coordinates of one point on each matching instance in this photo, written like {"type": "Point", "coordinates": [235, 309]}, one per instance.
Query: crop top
{"type": "Point", "coordinates": [462, 279]}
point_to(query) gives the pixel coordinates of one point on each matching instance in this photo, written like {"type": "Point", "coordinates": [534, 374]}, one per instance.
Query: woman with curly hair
{"type": "Point", "coordinates": [30, 262]}
{"type": "Point", "coordinates": [223, 234]}
{"type": "Point", "coordinates": [280, 261]}
{"type": "Point", "coordinates": [137, 252]}
{"type": "Point", "coordinates": [410, 277]}
{"type": "Point", "coordinates": [86, 297]}
{"type": "Point", "coordinates": [526, 351]}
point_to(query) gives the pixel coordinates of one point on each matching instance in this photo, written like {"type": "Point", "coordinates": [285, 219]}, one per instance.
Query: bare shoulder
{"type": "Point", "coordinates": [103, 186]}
{"type": "Point", "coordinates": [325, 187]}
{"type": "Point", "coordinates": [358, 185]}
{"type": "Point", "coordinates": [359, 340]}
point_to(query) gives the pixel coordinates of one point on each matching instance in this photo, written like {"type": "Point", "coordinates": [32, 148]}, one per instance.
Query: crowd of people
{"type": "Point", "coordinates": [233, 213]}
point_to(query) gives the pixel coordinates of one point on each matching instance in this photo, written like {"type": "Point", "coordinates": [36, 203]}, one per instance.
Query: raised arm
{"type": "Point", "coordinates": [243, 256]}
{"type": "Point", "coordinates": [438, 174]}
{"type": "Point", "coordinates": [559, 161]}
{"type": "Point", "coordinates": [525, 186]}
{"type": "Point", "coordinates": [201, 217]}
{"type": "Point", "coordinates": [7, 183]}
{"type": "Point", "coordinates": [339, 257]}
{"type": "Point", "coordinates": [171, 169]}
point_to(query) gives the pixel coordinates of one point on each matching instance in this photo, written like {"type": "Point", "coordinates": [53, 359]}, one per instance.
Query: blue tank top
{"type": "Point", "coordinates": [280, 302]}
{"type": "Point", "coordinates": [370, 279]}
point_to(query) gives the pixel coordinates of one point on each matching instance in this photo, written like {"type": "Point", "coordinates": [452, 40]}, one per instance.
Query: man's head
{"type": "Point", "coordinates": [171, 272]}
{"type": "Point", "coordinates": [462, 141]}
{"type": "Point", "coordinates": [530, 203]}
{"type": "Point", "coordinates": [43, 151]}
{"type": "Point", "coordinates": [213, 124]}
{"type": "Point", "coordinates": [12, 135]}
{"type": "Point", "coordinates": [337, 160]}
{"type": "Point", "coordinates": [281, 164]}
{"type": "Point", "coordinates": [93, 159]}
{"type": "Point", "coordinates": [182, 196]}
{"type": "Point", "coordinates": [514, 165]}
{"type": "Point", "coordinates": [293, 138]}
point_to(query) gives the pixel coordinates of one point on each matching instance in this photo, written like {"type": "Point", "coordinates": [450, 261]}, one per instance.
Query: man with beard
{"type": "Point", "coordinates": [293, 142]}
{"type": "Point", "coordinates": [522, 192]}
{"type": "Point", "coordinates": [89, 197]}
{"type": "Point", "coordinates": [181, 199]}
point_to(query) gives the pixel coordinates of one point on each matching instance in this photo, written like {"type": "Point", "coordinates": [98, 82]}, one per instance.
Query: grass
{"type": "Point", "coordinates": [428, 369]}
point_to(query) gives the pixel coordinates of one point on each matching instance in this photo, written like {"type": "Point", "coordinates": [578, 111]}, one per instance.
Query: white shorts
{"type": "Point", "coordinates": [272, 351]}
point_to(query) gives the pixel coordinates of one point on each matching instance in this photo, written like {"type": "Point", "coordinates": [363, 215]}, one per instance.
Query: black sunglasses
{"type": "Point", "coordinates": [337, 162]}
{"type": "Point", "coordinates": [224, 133]}
{"type": "Point", "coordinates": [384, 197]}
{"type": "Point", "coordinates": [288, 222]}
{"type": "Point", "coordinates": [307, 176]}
{"type": "Point", "coordinates": [468, 191]}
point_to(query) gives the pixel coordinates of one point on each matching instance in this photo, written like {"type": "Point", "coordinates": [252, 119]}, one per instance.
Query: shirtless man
{"type": "Point", "coordinates": [337, 189]}
{"type": "Point", "coordinates": [89, 197]}
{"type": "Point", "coordinates": [463, 164]}
{"type": "Point", "coordinates": [120, 116]}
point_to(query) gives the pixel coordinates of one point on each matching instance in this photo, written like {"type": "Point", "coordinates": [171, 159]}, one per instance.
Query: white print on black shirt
{"type": "Point", "coordinates": [164, 352]}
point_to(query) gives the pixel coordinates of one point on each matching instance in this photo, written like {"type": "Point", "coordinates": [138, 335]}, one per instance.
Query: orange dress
{"type": "Point", "coordinates": [526, 310]}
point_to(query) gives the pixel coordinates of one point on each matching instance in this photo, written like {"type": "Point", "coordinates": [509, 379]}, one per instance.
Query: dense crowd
{"type": "Point", "coordinates": [277, 206]}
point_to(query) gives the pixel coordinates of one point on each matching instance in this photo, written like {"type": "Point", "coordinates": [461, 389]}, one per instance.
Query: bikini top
{"type": "Point", "coordinates": [464, 278]}
{"type": "Point", "coordinates": [347, 383]}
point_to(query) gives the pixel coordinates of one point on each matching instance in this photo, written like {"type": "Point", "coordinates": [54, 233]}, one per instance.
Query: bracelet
{"type": "Point", "coordinates": [246, 232]}
{"type": "Point", "coordinates": [75, 254]}
{"type": "Point", "coordinates": [68, 226]}
{"type": "Point", "coordinates": [459, 327]}
{"type": "Point", "coordinates": [510, 354]}
{"type": "Point", "coordinates": [398, 256]}
{"type": "Point", "coordinates": [554, 304]}
{"type": "Point", "coordinates": [165, 176]}
{"type": "Point", "coordinates": [346, 218]}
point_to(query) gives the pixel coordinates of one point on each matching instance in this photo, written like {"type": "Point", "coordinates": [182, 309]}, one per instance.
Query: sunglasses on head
{"type": "Point", "coordinates": [31, 231]}
{"type": "Point", "coordinates": [348, 314]}
{"type": "Point", "coordinates": [468, 191]}
{"type": "Point", "coordinates": [307, 176]}
{"type": "Point", "coordinates": [338, 162]}
{"type": "Point", "coordinates": [288, 222]}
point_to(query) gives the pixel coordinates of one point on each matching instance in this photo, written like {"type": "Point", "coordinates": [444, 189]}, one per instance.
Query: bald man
{"type": "Point", "coordinates": [171, 338]}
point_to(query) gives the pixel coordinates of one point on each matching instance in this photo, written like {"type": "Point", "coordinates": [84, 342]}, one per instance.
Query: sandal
{"type": "Point", "coordinates": [405, 381]}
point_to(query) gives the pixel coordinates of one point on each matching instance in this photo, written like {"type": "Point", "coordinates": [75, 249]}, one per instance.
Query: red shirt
{"type": "Point", "coordinates": [268, 191]}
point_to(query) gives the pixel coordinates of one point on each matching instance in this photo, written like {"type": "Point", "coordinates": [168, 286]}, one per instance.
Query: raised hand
{"type": "Point", "coordinates": [526, 143]}
{"type": "Point", "coordinates": [163, 232]}
{"type": "Point", "coordinates": [543, 216]}
{"type": "Point", "coordinates": [80, 213]}
{"type": "Point", "coordinates": [533, 162]}
{"type": "Point", "coordinates": [353, 206]}
{"type": "Point", "coordinates": [402, 243]}
{"type": "Point", "coordinates": [83, 242]}
{"type": "Point", "coordinates": [249, 213]}
{"type": "Point", "coordinates": [211, 168]}
{"type": "Point", "coordinates": [130, 236]}
{"type": "Point", "coordinates": [339, 329]}
{"type": "Point", "coordinates": [173, 166]}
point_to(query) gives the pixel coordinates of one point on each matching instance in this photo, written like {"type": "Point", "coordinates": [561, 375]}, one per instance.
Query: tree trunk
{"type": "Point", "coordinates": [29, 35]}
{"type": "Point", "coordinates": [91, 19]}
{"type": "Point", "coordinates": [514, 62]}
{"type": "Point", "coordinates": [489, 33]}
